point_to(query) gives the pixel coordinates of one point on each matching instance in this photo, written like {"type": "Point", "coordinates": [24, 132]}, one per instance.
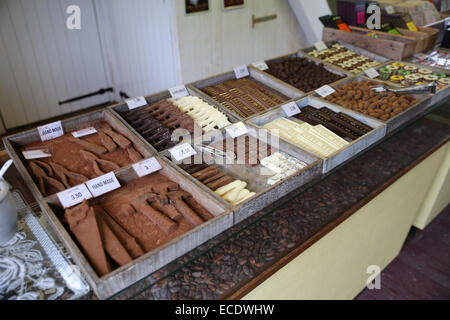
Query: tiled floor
{"type": "Point", "coordinates": [422, 270]}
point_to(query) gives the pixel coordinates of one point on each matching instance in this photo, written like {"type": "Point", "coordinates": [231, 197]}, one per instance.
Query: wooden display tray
{"type": "Point", "coordinates": [265, 194]}
{"type": "Point", "coordinates": [300, 55]}
{"type": "Point", "coordinates": [426, 37]}
{"type": "Point", "coordinates": [271, 82]}
{"type": "Point", "coordinates": [123, 277]}
{"type": "Point", "coordinates": [341, 156]}
{"type": "Point", "coordinates": [122, 107]}
{"type": "Point", "coordinates": [14, 142]}
{"type": "Point", "coordinates": [350, 47]}
{"type": "Point", "coordinates": [440, 94]}
{"type": "Point", "coordinates": [388, 45]}
{"type": "Point", "coordinates": [424, 102]}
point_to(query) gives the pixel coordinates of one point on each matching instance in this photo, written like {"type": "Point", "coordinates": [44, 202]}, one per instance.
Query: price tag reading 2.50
{"type": "Point", "coordinates": [146, 167]}
{"type": "Point", "coordinates": [74, 196]}
{"type": "Point", "coordinates": [183, 151]}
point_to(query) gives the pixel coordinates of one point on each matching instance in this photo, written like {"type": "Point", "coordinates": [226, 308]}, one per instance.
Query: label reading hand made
{"type": "Point", "coordinates": [146, 167]}
{"type": "Point", "coordinates": [237, 130]}
{"type": "Point", "coordinates": [261, 65]}
{"type": "Point", "coordinates": [320, 46]}
{"type": "Point", "coordinates": [241, 72]}
{"type": "Point", "coordinates": [136, 103]}
{"type": "Point", "coordinates": [35, 154]}
{"type": "Point", "coordinates": [84, 132]}
{"type": "Point", "coordinates": [51, 131]}
{"type": "Point", "coordinates": [103, 184]}
{"type": "Point", "coordinates": [74, 196]}
{"type": "Point", "coordinates": [183, 151]}
{"type": "Point", "coordinates": [179, 92]}
{"type": "Point", "coordinates": [372, 73]}
{"type": "Point", "coordinates": [325, 91]}
{"type": "Point", "coordinates": [291, 109]}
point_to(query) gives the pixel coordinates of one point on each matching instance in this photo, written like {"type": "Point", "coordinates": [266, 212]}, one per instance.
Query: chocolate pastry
{"type": "Point", "coordinates": [302, 73]}
{"type": "Point", "coordinates": [83, 224]}
{"type": "Point", "coordinates": [245, 96]}
{"type": "Point", "coordinates": [92, 147]}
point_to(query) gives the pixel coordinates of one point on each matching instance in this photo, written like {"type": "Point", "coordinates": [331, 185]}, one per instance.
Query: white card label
{"type": "Point", "coordinates": [183, 151]}
{"type": "Point", "coordinates": [261, 65]}
{"type": "Point", "coordinates": [103, 184]}
{"type": "Point", "coordinates": [146, 167]}
{"type": "Point", "coordinates": [237, 130]}
{"type": "Point", "coordinates": [291, 109]}
{"type": "Point", "coordinates": [325, 91]}
{"type": "Point", "coordinates": [179, 92]}
{"type": "Point", "coordinates": [421, 56]}
{"type": "Point", "coordinates": [35, 154]}
{"type": "Point", "coordinates": [84, 132]}
{"type": "Point", "coordinates": [320, 46]}
{"type": "Point", "coordinates": [390, 9]}
{"type": "Point", "coordinates": [372, 73]}
{"type": "Point", "coordinates": [136, 102]}
{"type": "Point", "coordinates": [74, 196]}
{"type": "Point", "coordinates": [51, 131]}
{"type": "Point", "coordinates": [241, 72]}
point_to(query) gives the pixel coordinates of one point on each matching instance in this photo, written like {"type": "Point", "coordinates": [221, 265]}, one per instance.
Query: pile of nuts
{"type": "Point", "coordinates": [358, 96]}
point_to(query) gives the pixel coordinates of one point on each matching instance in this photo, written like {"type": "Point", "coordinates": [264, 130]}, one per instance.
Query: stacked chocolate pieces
{"type": "Point", "coordinates": [157, 122]}
{"type": "Point", "coordinates": [210, 175]}
{"type": "Point", "coordinates": [343, 125]}
{"type": "Point", "coordinates": [245, 96]}
{"type": "Point", "coordinates": [248, 150]}
{"type": "Point", "coordinates": [302, 73]}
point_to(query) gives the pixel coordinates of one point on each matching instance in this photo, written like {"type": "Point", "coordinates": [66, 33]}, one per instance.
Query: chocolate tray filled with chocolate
{"type": "Point", "coordinates": [406, 74]}
{"type": "Point", "coordinates": [127, 234]}
{"type": "Point", "coordinates": [301, 72]}
{"type": "Point", "coordinates": [249, 172]}
{"type": "Point", "coordinates": [247, 96]}
{"type": "Point", "coordinates": [332, 133]}
{"type": "Point", "coordinates": [156, 122]}
{"type": "Point", "coordinates": [72, 160]}
{"type": "Point", "coordinates": [345, 57]}
{"type": "Point", "coordinates": [393, 109]}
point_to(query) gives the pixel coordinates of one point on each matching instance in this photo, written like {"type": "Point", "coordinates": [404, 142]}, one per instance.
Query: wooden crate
{"type": "Point", "coordinates": [271, 82]}
{"type": "Point", "coordinates": [387, 45]}
{"type": "Point", "coordinates": [358, 50]}
{"type": "Point", "coordinates": [15, 142]}
{"type": "Point", "coordinates": [256, 183]}
{"type": "Point", "coordinates": [423, 104]}
{"type": "Point", "coordinates": [427, 36]}
{"type": "Point", "coordinates": [295, 55]}
{"type": "Point", "coordinates": [123, 277]}
{"type": "Point", "coordinates": [343, 155]}
{"type": "Point", "coordinates": [117, 109]}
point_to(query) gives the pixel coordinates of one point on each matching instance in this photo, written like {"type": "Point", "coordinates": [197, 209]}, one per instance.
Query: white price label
{"type": "Point", "coordinates": [241, 72]}
{"type": "Point", "coordinates": [291, 109]}
{"type": "Point", "coordinates": [84, 132]}
{"type": "Point", "coordinates": [320, 46]}
{"type": "Point", "coordinates": [390, 9]}
{"type": "Point", "coordinates": [179, 92]}
{"type": "Point", "coordinates": [136, 102]}
{"type": "Point", "coordinates": [261, 65]}
{"type": "Point", "coordinates": [421, 56]}
{"type": "Point", "coordinates": [237, 130]}
{"type": "Point", "coordinates": [325, 91]}
{"type": "Point", "coordinates": [147, 167]}
{"type": "Point", "coordinates": [74, 196]}
{"type": "Point", "coordinates": [372, 73]}
{"type": "Point", "coordinates": [35, 154]}
{"type": "Point", "coordinates": [103, 184]}
{"type": "Point", "coordinates": [183, 151]}
{"type": "Point", "coordinates": [51, 131]}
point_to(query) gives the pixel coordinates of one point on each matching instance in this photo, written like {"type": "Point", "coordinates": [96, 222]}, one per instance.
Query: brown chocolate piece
{"type": "Point", "coordinates": [76, 178]}
{"type": "Point", "coordinates": [134, 155]}
{"type": "Point", "coordinates": [106, 141]}
{"type": "Point", "coordinates": [107, 166]}
{"type": "Point", "coordinates": [45, 166]}
{"type": "Point", "coordinates": [92, 159]}
{"type": "Point", "coordinates": [118, 138]}
{"type": "Point", "coordinates": [60, 173]}
{"type": "Point", "coordinates": [54, 183]}
{"type": "Point", "coordinates": [111, 244]}
{"type": "Point", "coordinates": [83, 224]}
{"type": "Point", "coordinates": [129, 242]}
{"type": "Point", "coordinates": [198, 208]}
{"type": "Point", "coordinates": [92, 147]}
{"type": "Point", "coordinates": [162, 221]}
{"type": "Point", "coordinates": [161, 203]}
{"type": "Point", "coordinates": [39, 174]}
{"type": "Point", "coordinates": [220, 183]}
{"type": "Point", "coordinates": [177, 198]}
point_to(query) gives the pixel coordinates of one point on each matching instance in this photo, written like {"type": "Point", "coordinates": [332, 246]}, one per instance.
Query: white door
{"type": "Point", "coordinates": [42, 62]}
